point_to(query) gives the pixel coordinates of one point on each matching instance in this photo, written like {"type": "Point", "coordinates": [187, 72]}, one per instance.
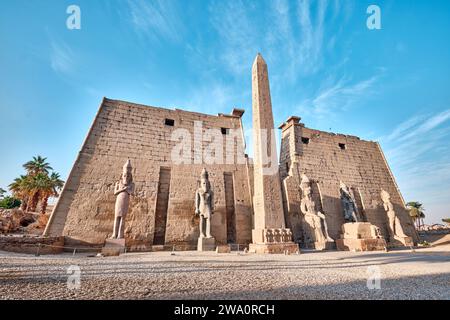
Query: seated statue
{"type": "Point", "coordinates": [315, 219]}
{"type": "Point", "coordinates": [349, 205]}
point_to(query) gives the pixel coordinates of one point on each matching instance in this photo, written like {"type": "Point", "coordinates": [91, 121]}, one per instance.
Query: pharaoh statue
{"type": "Point", "coordinates": [204, 205]}
{"type": "Point", "coordinates": [123, 189]}
{"type": "Point", "coordinates": [348, 204]}
{"type": "Point", "coordinates": [315, 219]}
{"type": "Point", "coordinates": [395, 227]}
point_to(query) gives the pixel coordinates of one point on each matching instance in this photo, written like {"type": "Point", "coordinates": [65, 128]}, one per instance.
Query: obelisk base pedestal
{"type": "Point", "coordinates": [113, 247]}
{"type": "Point", "coordinates": [272, 248]}
{"type": "Point", "coordinates": [206, 244]}
{"type": "Point", "coordinates": [273, 241]}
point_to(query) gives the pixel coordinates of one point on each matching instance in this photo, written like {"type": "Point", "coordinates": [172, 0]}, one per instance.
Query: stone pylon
{"type": "Point", "coordinates": [269, 234]}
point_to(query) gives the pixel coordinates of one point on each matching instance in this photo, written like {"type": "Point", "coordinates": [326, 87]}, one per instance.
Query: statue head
{"type": "Point", "coordinates": [204, 181]}
{"type": "Point", "coordinates": [385, 196]}
{"type": "Point", "coordinates": [127, 177]}
{"type": "Point", "coordinates": [305, 186]}
{"type": "Point", "coordinates": [344, 189]}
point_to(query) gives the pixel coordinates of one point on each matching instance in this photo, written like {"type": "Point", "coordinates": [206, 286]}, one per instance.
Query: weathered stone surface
{"type": "Point", "coordinates": [360, 236]}
{"type": "Point", "coordinates": [274, 248]}
{"type": "Point", "coordinates": [270, 234]}
{"type": "Point", "coordinates": [32, 245]}
{"type": "Point", "coordinates": [84, 213]}
{"type": "Point", "coordinates": [18, 221]}
{"type": "Point", "coordinates": [361, 244]}
{"type": "Point", "coordinates": [223, 249]}
{"type": "Point", "coordinates": [359, 164]}
{"type": "Point", "coordinates": [113, 247]}
{"type": "Point", "coordinates": [206, 244]}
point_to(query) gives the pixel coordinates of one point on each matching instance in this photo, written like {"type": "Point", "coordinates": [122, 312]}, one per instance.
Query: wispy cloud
{"type": "Point", "coordinates": [290, 34]}
{"type": "Point", "coordinates": [417, 150]}
{"type": "Point", "coordinates": [427, 125]}
{"type": "Point", "coordinates": [61, 57]}
{"type": "Point", "coordinates": [158, 20]}
{"type": "Point", "coordinates": [339, 96]}
{"type": "Point", "coordinates": [238, 33]}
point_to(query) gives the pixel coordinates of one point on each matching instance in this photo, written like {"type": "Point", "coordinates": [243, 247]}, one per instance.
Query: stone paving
{"type": "Point", "coordinates": [423, 274]}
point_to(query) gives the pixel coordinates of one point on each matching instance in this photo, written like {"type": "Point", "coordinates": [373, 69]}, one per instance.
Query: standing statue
{"type": "Point", "coordinates": [314, 218]}
{"type": "Point", "coordinates": [123, 189]}
{"type": "Point", "coordinates": [349, 205]}
{"type": "Point", "coordinates": [395, 227]}
{"type": "Point", "coordinates": [204, 205]}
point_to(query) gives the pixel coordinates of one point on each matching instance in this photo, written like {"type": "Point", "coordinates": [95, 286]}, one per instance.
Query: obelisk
{"type": "Point", "coordinates": [270, 234]}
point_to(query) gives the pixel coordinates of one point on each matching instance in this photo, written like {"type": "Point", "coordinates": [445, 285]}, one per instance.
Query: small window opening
{"type": "Point", "coordinates": [305, 140]}
{"type": "Point", "coordinates": [169, 122]}
{"type": "Point", "coordinates": [287, 166]}
{"type": "Point", "coordinates": [224, 130]}
{"type": "Point", "coordinates": [342, 146]}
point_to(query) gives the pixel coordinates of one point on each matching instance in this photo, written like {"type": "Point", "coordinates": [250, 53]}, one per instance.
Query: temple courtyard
{"type": "Point", "coordinates": [420, 274]}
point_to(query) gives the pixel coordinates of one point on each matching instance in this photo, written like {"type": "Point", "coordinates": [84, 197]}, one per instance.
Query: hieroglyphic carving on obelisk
{"type": "Point", "coordinates": [267, 200]}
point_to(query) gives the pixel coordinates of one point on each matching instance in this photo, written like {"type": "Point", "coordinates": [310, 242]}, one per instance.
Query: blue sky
{"type": "Point", "coordinates": [390, 85]}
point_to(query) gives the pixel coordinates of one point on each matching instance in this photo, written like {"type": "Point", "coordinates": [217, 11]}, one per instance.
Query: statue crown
{"type": "Point", "coordinates": [205, 174]}
{"type": "Point", "coordinates": [127, 166]}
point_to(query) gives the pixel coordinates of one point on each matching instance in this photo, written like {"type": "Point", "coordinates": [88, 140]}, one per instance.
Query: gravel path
{"type": "Point", "coordinates": [423, 274]}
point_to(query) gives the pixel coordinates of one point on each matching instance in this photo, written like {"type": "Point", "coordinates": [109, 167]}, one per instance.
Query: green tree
{"type": "Point", "coordinates": [447, 221]}
{"type": "Point", "coordinates": [50, 188]}
{"type": "Point", "coordinates": [37, 186]}
{"type": "Point", "coordinates": [21, 189]}
{"type": "Point", "coordinates": [2, 193]}
{"type": "Point", "coordinates": [9, 203]}
{"type": "Point", "coordinates": [37, 165]}
{"type": "Point", "coordinates": [416, 211]}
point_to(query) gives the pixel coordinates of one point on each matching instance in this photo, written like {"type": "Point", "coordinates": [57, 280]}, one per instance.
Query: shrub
{"type": "Point", "coordinates": [10, 203]}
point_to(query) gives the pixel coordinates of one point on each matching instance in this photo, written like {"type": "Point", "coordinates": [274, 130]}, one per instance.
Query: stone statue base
{"type": "Point", "coordinates": [401, 242]}
{"type": "Point", "coordinates": [273, 248]}
{"type": "Point", "coordinates": [206, 244]}
{"type": "Point", "coordinates": [113, 247]}
{"type": "Point", "coordinates": [360, 236]}
{"type": "Point", "coordinates": [273, 241]}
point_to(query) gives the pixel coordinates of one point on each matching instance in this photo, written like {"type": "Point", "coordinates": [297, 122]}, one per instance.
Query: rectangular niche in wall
{"type": "Point", "coordinates": [229, 204]}
{"type": "Point", "coordinates": [162, 202]}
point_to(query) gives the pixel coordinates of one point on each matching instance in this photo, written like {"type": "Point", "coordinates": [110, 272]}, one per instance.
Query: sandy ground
{"type": "Point", "coordinates": [423, 274]}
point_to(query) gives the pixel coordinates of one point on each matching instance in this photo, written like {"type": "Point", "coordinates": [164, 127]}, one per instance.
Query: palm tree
{"type": "Point", "coordinates": [38, 185]}
{"type": "Point", "coordinates": [37, 165]}
{"type": "Point", "coordinates": [416, 211]}
{"type": "Point", "coordinates": [21, 188]}
{"type": "Point", "coordinates": [51, 188]}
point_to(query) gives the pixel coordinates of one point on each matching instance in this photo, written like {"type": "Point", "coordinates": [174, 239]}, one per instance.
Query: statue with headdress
{"type": "Point", "coordinates": [315, 219]}
{"type": "Point", "coordinates": [204, 205]}
{"type": "Point", "coordinates": [395, 227]}
{"type": "Point", "coordinates": [348, 204]}
{"type": "Point", "coordinates": [123, 190]}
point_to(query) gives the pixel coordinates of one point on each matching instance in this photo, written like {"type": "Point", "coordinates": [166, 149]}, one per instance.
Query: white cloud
{"type": "Point", "coordinates": [157, 19]}
{"type": "Point", "coordinates": [289, 35]}
{"type": "Point", "coordinates": [61, 57]}
{"type": "Point", "coordinates": [428, 125]}
{"type": "Point", "coordinates": [417, 150]}
{"type": "Point", "coordinates": [339, 96]}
